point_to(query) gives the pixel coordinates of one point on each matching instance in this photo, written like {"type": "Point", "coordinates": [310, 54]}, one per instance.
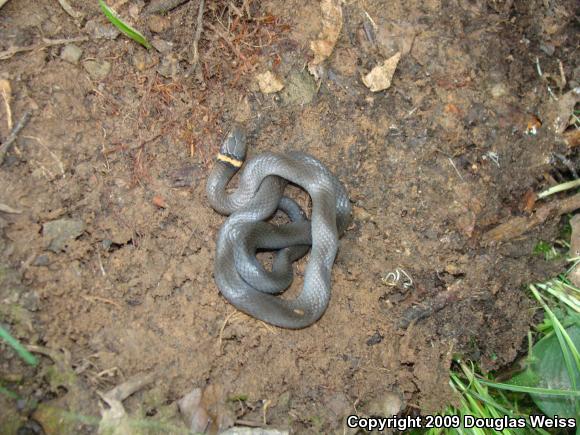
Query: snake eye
{"type": "Point", "coordinates": [234, 144]}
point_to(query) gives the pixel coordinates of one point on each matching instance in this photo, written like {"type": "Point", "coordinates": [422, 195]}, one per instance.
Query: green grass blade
{"type": "Point", "coordinates": [123, 27]}
{"type": "Point", "coordinates": [531, 390]}
{"type": "Point", "coordinates": [18, 347]}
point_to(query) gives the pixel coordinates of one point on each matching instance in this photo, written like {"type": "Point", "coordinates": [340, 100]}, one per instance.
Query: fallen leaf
{"type": "Point", "coordinates": [269, 82]}
{"type": "Point", "coordinates": [331, 27]}
{"type": "Point", "coordinates": [206, 410]}
{"type": "Point", "coordinates": [380, 76]}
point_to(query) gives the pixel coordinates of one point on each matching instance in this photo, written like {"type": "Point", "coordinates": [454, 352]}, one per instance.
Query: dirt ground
{"type": "Point", "coordinates": [118, 148]}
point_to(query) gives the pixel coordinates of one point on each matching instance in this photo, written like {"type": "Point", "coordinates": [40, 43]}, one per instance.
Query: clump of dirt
{"type": "Point", "coordinates": [119, 145]}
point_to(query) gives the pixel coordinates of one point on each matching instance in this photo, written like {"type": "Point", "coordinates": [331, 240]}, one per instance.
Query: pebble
{"type": "Point", "coordinates": [142, 60]}
{"type": "Point", "coordinates": [549, 49]}
{"type": "Point", "coordinates": [158, 24]}
{"type": "Point", "coordinates": [162, 46]}
{"type": "Point", "coordinates": [97, 69]}
{"type": "Point", "coordinates": [498, 90]}
{"type": "Point", "coordinates": [99, 30]}
{"type": "Point", "coordinates": [71, 53]}
{"type": "Point", "coordinates": [169, 67]}
{"type": "Point", "coordinates": [30, 300]}
{"type": "Point", "coordinates": [60, 231]}
{"type": "Point", "coordinates": [41, 260]}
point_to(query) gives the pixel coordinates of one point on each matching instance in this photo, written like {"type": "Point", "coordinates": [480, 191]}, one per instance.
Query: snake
{"type": "Point", "coordinates": [238, 273]}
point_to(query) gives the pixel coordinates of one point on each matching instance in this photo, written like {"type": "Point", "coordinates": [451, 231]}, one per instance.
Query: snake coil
{"type": "Point", "coordinates": [241, 278]}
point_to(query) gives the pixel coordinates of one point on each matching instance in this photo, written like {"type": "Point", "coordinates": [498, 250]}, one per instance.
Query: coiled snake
{"type": "Point", "coordinates": [241, 278]}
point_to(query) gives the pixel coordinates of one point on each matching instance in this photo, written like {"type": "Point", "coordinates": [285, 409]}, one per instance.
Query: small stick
{"type": "Point", "coordinates": [7, 209]}
{"type": "Point", "coordinates": [69, 9]}
{"type": "Point", "coordinates": [121, 392]}
{"type": "Point", "coordinates": [519, 225]}
{"type": "Point", "coordinates": [198, 30]}
{"type": "Point", "coordinates": [6, 91]}
{"type": "Point", "coordinates": [7, 54]}
{"type": "Point", "coordinates": [162, 6]}
{"type": "Point", "coordinates": [13, 134]}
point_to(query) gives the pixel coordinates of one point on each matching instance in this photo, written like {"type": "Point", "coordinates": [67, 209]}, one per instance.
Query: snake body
{"type": "Point", "coordinates": [241, 278]}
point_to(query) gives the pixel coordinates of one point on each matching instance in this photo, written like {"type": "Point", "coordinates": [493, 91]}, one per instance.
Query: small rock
{"type": "Point", "coordinates": [57, 233]}
{"type": "Point", "coordinates": [30, 300]}
{"type": "Point", "coordinates": [376, 338]}
{"type": "Point", "coordinates": [386, 406]}
{"type": "Point", "coordinates": [498, 90]}
{"type": "Point", "coordinates": [169, 67]}
{"type": "Point", "coordinates": [162, 46]}
{"type": "Point", "coordinates": [300, 89]}
{"type": "Point", "coordinates": [135, 9]}
{"type": "Point", "coordinates": [71, 53]}
{"type": "Point", "coordinates": [98, 30]}
{"type": "Point", "coordinates": [41, 260]}
{"type": "Point", "coordinates": [158, 24]}
{"type": "Point", "coordinates": [142, 60]}
{"type": "Point", "coordinates": [269, 82]}
{"type": "Point", "coordinates": [97, 69]}
{"type": "Point", "coordinates": [549, 49]}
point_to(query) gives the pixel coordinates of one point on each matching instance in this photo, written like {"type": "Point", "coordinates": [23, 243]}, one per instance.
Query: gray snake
{"type": "Point", "coordinates": [239, 275]}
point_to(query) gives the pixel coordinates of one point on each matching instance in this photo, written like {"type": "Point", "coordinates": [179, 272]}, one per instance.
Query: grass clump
{"type": "Point", "coordinates": [550, 382]}
{"type": "Point", "coordinates": [132, 33]}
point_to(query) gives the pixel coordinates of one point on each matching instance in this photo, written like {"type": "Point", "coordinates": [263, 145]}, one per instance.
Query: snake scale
{"type": "Point", "coordinates": [241, 278]}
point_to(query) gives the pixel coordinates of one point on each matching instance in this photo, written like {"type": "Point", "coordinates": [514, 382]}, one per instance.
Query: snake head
{"type": "Point", "coordinates": [234, 145]}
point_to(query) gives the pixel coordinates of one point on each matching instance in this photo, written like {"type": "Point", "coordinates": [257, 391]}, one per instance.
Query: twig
{"type": "Point", "coordinates": [455, 167]}
{"type": "Point", "coordinates": [69, 9]}
{"type": "Point", "coordinates": [519, 225]}
{"type": "Point", "coordinates": [13, 134]}
{"type": "Point", "coordinates": [6, 91]}
{"type": "Point", "coordinates": [195, 51]}
{"type": "Point", "coordinates": [121, 392]}
{"type": "Point", "coordinates": [7, 54]}
{"type": "Point", "coordinates": [220, 33]}
{"type": "Point", "coordinates": [559, 188]}
{"type": "Point", "coordinates": [162, 6]}
{"type": "Point", "coordinates": [7, 209]}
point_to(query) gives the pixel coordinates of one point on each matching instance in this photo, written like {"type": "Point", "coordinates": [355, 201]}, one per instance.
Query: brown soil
{"type": "Point", "coordinates": [135, 293]}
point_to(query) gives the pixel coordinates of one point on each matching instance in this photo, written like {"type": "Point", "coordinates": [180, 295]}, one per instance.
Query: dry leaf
{"type": "Point", "coordinates": [331, 27]}
{"type": "Point", "coordinates": [380, 76]}
{"type": "Point", "coordinates": [269, 82]}
{"type": "Point", "coordinates": [206, 411]}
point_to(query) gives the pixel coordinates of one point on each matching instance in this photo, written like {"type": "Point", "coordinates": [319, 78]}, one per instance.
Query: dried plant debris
{"type": "Point", "coordinates": [205, 410]}
{"type": "Point", "coordinates": [574, 274]}
{"type": "Point", "coordinates": [560, 111]}
{"type": "Point", "coordinates": [269, 83]}
{"type": "Point", "coordinates": [331, 27]}
{"type": "Point", "coordinates": [381, 76]}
